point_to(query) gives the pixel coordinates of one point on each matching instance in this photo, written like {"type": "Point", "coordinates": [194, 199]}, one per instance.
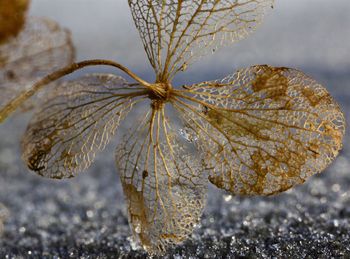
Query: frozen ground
{"type": "Point", "coordinates": [86, 218]}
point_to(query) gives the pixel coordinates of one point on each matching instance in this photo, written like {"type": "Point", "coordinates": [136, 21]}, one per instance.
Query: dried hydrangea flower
{"type": "Point", "coordinates": [259, 131]}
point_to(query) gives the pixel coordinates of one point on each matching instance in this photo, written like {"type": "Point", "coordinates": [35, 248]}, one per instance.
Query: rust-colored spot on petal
{"type": "Point", "coordinates": [138, 214]}
{"type": "Point", "coordinates": [272, 82]}
{"type": "Point", "coordinates": [314, 99]}
{"type": "Point", "coordinates": [261, 171]}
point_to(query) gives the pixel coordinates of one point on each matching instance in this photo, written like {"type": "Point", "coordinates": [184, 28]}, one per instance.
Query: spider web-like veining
{"type": "Point", "coordinates": [163, 182]}
{"type": "Point", "coordinates": [177, 32]}
{"type": "Point", "coordinates": [263, 130]}
{"type": "Point", "coordinates": [75, 123]}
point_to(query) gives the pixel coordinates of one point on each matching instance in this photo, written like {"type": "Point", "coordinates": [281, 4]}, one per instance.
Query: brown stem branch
{"type": "Point", "coordinates": [20, 99]}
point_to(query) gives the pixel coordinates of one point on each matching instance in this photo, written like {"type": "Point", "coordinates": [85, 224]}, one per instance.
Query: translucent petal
{"type": "Point", "coordinates": [76, 121]}
{"type": "Point", "coordinates": [42, 47]}
{"type": "Point", "coordinates": [263, 129]}
{"type": "Point", "coordinates": [175, 33]}
{"type": "Point", "coordinates": [163, 181]}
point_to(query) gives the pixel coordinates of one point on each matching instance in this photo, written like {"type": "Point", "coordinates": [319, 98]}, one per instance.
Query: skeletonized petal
{"type": "Point", "coordinates": [264, 129]}
{"type": "Point", "coordinates": [163, 181]}
{"type": "Point", "coordinates": [40, 48]}
{"type": "Point", "coordinates": [177, 32]}
{"type": "Point", "coordinates": [75, 122]}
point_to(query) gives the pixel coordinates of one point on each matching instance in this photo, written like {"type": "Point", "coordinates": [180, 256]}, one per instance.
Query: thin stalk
{"type": "Point", "coordinates": [20, 99]}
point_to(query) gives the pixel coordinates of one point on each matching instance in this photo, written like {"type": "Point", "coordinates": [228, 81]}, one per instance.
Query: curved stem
{"type": "Point", "coordinates": [16, 102]}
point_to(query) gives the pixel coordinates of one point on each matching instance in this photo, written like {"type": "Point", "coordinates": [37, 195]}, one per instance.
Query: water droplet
{"type": "Point", "coordinates": [336, 223]}
{"type": "Point", "coordinates": [246, 223]}
{"type": "Point", "coordinates": [227, 198]}
{"type": "Point", "coordinates": [138, 228]}
{"type": "Point", "coordinates": [335, 187]}
{"type": "Point", "coordinates": [89, 213]}
{"type": "Point", "coordinates": [133, 243]}
{"type": "Point", "coordinates": [188, 136]}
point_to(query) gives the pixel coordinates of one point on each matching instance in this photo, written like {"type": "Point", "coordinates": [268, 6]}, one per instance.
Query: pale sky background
{"type": "Point", "coordinates": [307, 34]}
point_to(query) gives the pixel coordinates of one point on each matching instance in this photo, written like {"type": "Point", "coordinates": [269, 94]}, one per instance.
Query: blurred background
{"type": "Point", "coordinates": [86, 216]}
{"type": "Point", "coordinates": [313, 34]}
